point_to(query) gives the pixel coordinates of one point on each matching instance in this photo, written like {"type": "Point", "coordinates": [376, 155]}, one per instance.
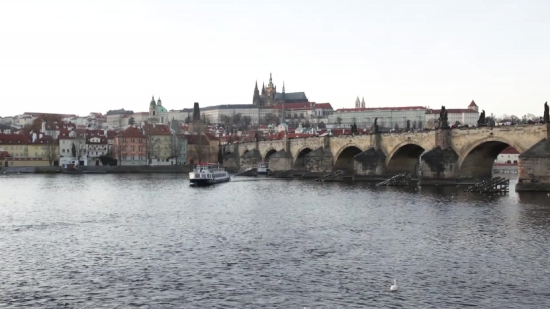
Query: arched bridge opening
{"type": "Point", "coordinates": [345, 159]}
{"type": "Point", "coordinates": [300, 163]}
{"type": "Point", "coordinates": [269, 154]}
{"type": "Point", "coordinates": [405, 159]}
{"type": "Point", "coordinates": [478, 163]}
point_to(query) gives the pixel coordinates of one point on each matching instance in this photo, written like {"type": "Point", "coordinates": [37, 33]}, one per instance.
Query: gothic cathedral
{"type": "Point", "coordinates": [270, 96]}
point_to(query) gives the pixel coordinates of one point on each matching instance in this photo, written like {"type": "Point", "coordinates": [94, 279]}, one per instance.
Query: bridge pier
{"type": "Point", "coordinates": [280, 161]}
{"type": "Point", "coordinates": [534, 168]}
{"type": "Point", "coordinates": [438, 166]}
{"type": "Point", "coordinates": [318, 162]}
{"type": "Point", "coordinates": [371, 162]}
{"type": "Point", "coordinates": [230, 157]}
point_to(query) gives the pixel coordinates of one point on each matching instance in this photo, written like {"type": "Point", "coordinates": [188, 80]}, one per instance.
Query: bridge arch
{"type": "Point", "coordinates": [344, 159]}
{"type": "Point", "coordinates": [299, 161]}
{"type": "Point", "coordinates": [476, 161]}
{"type": "Point", "coordinates": [405, 157]}
{"type": "Point", "coordinates": [271, 151]}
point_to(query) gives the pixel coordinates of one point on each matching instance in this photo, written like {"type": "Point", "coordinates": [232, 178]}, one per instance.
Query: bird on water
{"type": "Point", "coordinates": [394, 286]}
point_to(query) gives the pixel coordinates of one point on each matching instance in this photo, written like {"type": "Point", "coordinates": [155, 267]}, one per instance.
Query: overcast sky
{"type": "Point", "coordinates": [92, 56]}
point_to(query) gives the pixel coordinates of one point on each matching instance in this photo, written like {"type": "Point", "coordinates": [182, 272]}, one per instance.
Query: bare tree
{"type": "Point", "coordinates": [118, 148]}
{"type": "Point", "coordinates": [51, 151]}
{"type": "Point", "coordinates": [80, 146]}
{"type": "Point", "coordinates": [431, 124]}
{"type": "Point", "coordinates": [339, 121]}
{"type": "Point", "coordinates": [225, 120]}
{"type": "Point", "coordinates": [246, 121]}
{"type": "Point", "coordinates": [176, 147]}
{"type": "Point", "coordinates": [151, 148]}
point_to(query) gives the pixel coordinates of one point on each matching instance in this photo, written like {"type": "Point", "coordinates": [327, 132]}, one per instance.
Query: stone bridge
{"type": "Point", "coordinates": [440, 156]}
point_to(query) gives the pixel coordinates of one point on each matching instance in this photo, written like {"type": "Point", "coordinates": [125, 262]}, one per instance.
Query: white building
{"type": "Point", "coordinates": [96, 146]}
{"type": "Point", "coordinates": [214, 113]}
{"type": "Point", "coordinates": [388, 117]}
{"type": "Point", "coordinates": [461, 116]}
{"type": "Point", "coordinates": [508, 156]}
{"type": "Point", "coordinates": [115, 118]}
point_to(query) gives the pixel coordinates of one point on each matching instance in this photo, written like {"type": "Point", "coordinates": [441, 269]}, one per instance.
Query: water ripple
{"type": "Point", "coordinates": [150, 241]}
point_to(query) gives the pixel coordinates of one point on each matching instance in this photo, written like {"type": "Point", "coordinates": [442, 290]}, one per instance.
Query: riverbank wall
{"type": "Point", "coordinates": [99, 169]}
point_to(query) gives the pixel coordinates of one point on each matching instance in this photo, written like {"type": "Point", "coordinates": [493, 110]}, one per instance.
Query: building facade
{"type": "Point", "coordinates": [159, 147]}
{"type": "Point", "coordinates": [455, 116]}
{"type": "Point", "coordinates": [129, 147]}
{"type": "Point", "coordinates": [387, 117]}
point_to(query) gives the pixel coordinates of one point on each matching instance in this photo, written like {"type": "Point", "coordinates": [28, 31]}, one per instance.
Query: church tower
{"type": "Point", "coordinates": [152, 107]}
{"type": "Point", "coordinates": [357, 103]}
{"type": "Point", "coordinates": [363, 102]}
{"type": "Point", "coordinates": [256, 100]}
{"type": "Point", "coordinates": [270, 92]}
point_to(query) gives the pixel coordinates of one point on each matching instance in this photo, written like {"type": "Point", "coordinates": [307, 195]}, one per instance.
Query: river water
{"type": "Point", "coordinates": [151, 241]}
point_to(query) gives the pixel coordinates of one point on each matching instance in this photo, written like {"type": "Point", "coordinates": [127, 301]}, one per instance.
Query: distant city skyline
{"type": "Point", "coordinates": [81, 57]}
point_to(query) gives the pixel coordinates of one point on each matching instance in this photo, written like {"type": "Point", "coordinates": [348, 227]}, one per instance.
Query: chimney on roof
{"type": "Point", "coordinates": [34, 137]}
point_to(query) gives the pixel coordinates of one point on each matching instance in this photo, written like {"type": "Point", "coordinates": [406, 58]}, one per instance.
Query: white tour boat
{"type": "Point", "coordinates": [208, 174]}
{"type": "Point", "coordinates": [263, 168]}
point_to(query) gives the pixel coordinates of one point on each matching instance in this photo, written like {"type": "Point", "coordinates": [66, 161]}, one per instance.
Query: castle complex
{"type": "Point", "coordinates": [270, 96]}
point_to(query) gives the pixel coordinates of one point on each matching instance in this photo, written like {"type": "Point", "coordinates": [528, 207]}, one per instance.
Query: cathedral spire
{"type": "Point", "coordinates": [153, 101]}
{"type": "Point", "coordinates": [270, 85]}
{"type": "Point", "coordinates": [357, 102]}
{"type": "Point", "coordinates": [363, 102]}
{"type": "Point", "coordinates": [256, 98]}
{"type": "Point", "coordinates": [283, 97]}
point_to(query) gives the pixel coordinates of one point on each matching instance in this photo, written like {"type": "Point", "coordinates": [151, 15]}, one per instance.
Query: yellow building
{"type": "Point", "coordinates": [22, 152]}
{"type": "Point", "coordinates": [158, 144]}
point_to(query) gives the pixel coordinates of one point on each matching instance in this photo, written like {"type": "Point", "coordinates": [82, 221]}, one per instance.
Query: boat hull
{"type": "Point", "coordinates": [206, 182]}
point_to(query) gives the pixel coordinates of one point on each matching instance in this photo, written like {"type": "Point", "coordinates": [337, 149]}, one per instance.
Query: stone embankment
{"type": "Point", "coordinates": [100, 169]}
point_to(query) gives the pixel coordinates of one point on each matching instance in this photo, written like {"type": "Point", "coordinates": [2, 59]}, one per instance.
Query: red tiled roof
{"type": "Point", "coordinates": [157, 129]}
{"type": "Point", "coordinates": [111, 134]}
{"type": "Point", "coordinates": [472, 104]}
{"type": "Point", "coordinates": [45, 139]}
{"type": "Point", "coordinates": [451, 111]}
{"type": "Point", "coordinates": [52, 126]}
{"type": "Point", "coordinates": [90, 133]}
{"type": "Point", "coordinates": [4, 154]}
{"type": "Point", "coordinates": [510, 150]}
{"type": "Point", "coordinates": [399, 108]}
{"type": "Point", "coordinates": [323, 105]}
{"type": "Point", "coordinates": [131, 132]}
{"type": "Point", "coordinates": [14, 138]}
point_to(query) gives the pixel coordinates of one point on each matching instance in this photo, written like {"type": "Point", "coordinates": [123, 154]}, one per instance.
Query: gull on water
{"type": "Point", "coordinates": [394, 286]}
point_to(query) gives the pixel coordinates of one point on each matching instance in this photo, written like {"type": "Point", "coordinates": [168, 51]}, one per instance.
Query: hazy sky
{"type": "Point", "coordinates": [84, 56]}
